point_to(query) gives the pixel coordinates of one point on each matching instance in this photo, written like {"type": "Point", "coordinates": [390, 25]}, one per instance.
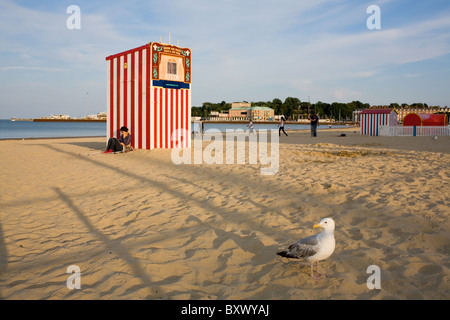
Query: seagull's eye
{"type": "Point", "coordinates": [326, 221]}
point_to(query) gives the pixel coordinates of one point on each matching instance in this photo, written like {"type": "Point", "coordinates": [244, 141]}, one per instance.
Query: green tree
{"type": "Point", "coordinates": [196, 111]}
{"type": "Point", "coordinates": [394, 105]}
{"type": "Point", "coordinates": [290, 107]}
{"type": "Point", "coordinates": [276, 105]}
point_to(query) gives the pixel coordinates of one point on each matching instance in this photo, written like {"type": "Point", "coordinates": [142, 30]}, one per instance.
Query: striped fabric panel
{"type": "Point", "coordinates": [172, 118]}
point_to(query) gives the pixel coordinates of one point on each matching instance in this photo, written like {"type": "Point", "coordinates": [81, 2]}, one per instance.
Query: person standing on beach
{"type": "Point", "coordinates": [314, 124]}
{"type": "Point", "coordinates": [121, 144]}
{"type": "Point", "coordinates": [281, 127]}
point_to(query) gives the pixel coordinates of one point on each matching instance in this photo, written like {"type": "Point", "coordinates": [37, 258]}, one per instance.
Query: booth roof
{"type": "Point", "coordinates": [376, 111]}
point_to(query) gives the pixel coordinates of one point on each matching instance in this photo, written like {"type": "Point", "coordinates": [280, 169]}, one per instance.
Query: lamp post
{"type": "Point", "coordinates": [308, 107]}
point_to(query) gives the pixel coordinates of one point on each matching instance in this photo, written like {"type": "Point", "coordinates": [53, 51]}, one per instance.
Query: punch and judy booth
{"type": "Point", "coordinates": [149, 91]}
{"type": "Point", "coordinates": [372, 119]}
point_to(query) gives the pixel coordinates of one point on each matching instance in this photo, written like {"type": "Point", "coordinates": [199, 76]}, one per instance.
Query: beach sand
{"type": "Point", "coordinates": [140, 227]}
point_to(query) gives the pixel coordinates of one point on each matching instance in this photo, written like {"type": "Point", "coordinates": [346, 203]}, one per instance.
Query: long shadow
{"type": "Point", "coordinates": [233, 179]}
{"type": "Point", "coordinates": [91, 144]}
{"type": "Point", "coordinates": [113, 245]}
{"type": "Point", "coordinates": [166, 187]}
{"type": "Point", "coordinates": [197, 170]}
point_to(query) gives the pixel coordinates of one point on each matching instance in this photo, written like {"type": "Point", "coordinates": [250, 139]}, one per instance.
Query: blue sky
{"type": "Point", "coordinates": [252, 50]}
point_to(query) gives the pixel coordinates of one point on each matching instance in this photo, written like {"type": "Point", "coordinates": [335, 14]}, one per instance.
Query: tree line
{"type": "Point", "coordinates": [293, 108]}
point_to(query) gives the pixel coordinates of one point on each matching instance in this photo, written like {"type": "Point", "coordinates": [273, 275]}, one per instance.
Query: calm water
{"type": "Point", "coordinates": [29, 129]}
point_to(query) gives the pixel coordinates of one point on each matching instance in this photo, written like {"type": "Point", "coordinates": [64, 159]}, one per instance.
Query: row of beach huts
{"type": "Point", "coordinates": [384, 122]}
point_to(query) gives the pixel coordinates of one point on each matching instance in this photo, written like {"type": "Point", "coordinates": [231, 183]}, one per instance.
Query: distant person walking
{"type": "Point", "coordinates": [250, 126]}
{"type": "Point", "coordinates": [314, 124]}
{"type": "Point", "coordinates": [281, 127]}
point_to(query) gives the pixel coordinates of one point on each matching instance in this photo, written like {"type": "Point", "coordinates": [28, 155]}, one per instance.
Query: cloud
{"type": "Point", "coordinates": [344, 94]}
{"type": "Point", "coordinates": [43, 37]}
{"type": "Point", "coordinates": [323, 42]}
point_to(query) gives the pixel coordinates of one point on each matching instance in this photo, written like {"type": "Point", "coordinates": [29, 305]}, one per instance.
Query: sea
{"type": "Point", "coordinates": [30, 129]}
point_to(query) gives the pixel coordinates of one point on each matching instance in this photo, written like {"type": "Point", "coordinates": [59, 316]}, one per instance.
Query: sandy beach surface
{"type": "Point", "coordinates": [139, 226]}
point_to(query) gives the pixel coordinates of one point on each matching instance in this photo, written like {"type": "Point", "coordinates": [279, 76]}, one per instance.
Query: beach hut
{"type": "Point", "coordinates": [149, 91]}
{"type": "Point", "coordinates": [372, 119]}
{"type": "Point", "coordinates": [420, 119]}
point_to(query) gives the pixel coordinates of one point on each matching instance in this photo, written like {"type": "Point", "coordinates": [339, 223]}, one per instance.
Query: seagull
{"type": "Point", "coordinates": [435, 138]}
{"type": "Point", "coordinates": [314, 248]}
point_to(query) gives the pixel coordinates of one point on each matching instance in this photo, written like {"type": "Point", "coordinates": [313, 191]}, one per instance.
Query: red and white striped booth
{"type": "Point", "coordinates": [149, 91]}
{"type": "Point", "coordinates": [372, 119]}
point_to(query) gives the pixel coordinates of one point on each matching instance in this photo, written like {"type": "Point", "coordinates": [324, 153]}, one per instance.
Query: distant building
{"type": "Point", "coordinates": [244, 111]}
{"type": "Point", "coordinates": [60, 116]}
{"type": "Point", "coordinates": [240, 105]}
{"type": "Point", "coordinates": [240, 111]}
{"type": "Point", "coordinates": [262, 113]}
{"type": "Point", "coordinates": [98, 116]}
{"type": "Point", "coordinates": [102, 115]}
{"type": "Point", "coordinates": [216, 115]}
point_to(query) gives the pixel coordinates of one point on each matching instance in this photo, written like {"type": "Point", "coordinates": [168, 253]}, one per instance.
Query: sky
{"type": "Point", "coordinates": [242, 50]}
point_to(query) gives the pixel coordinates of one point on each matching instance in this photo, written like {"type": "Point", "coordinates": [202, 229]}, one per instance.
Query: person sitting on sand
{"type": "Point", "coordinates": [121, 144]}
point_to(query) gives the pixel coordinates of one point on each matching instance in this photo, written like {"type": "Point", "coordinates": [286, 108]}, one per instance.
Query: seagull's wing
{"type": "Point", "coordinates": [302, 249]}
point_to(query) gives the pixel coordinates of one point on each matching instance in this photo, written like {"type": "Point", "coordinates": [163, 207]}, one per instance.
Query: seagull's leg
{"type": "Point", "coordinates": [312, 273]}
{"type": "Point", "coordinates": [317, 270]}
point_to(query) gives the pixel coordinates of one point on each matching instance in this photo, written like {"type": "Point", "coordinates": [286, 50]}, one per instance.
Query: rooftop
{"type": "Point", "coordinates": [372, 111]}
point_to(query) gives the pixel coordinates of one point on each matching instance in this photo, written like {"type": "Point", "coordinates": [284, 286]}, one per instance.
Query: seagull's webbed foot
{"type": "Point", "coordinates": [318, 274]}
{"type": "Point", "coordinates": [315, 278]}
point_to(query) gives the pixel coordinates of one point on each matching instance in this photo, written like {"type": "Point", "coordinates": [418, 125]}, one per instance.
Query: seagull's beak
{"type": "Point", "coordinates": [316, 225]}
